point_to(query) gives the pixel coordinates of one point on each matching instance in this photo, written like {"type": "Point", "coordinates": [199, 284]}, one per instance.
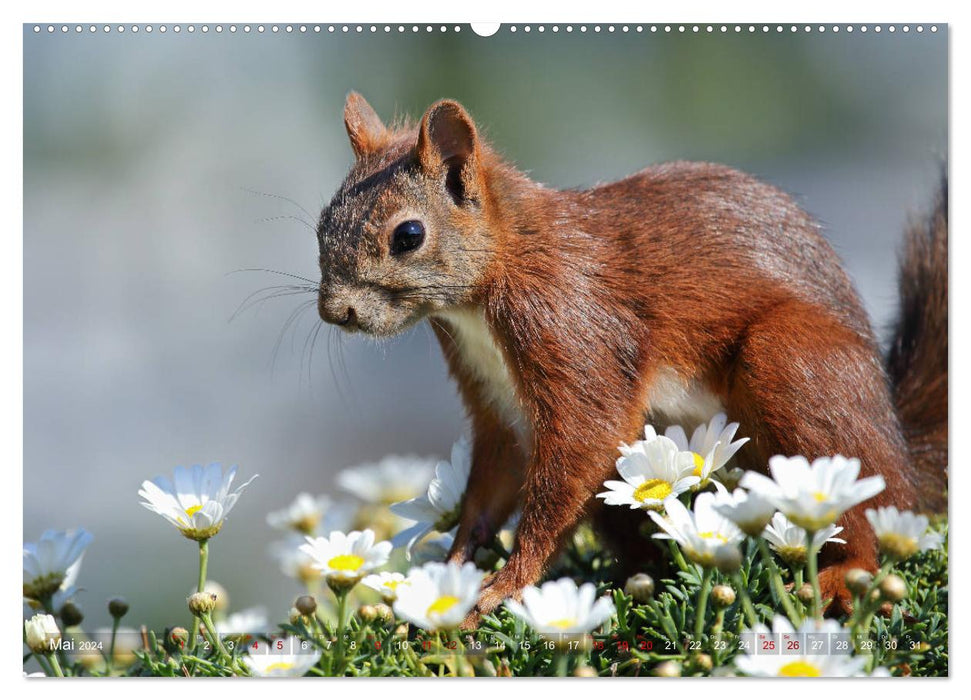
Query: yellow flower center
{"type": "Point", "coordinates": [393, 585]}
{"type": "Point", "coordinates": [897, 545]}
{"type": "Point", "coordinates": [279, 666]}
{"type": "Point", "coordinates": [799, 669]}
{"type": "Point", "coordinates": [699, 464]}
{"type": "Point", "coordinates": [563, 623]}
{"type": "Point", "coordinates": [192, 510]}
{"type": "Point", "coordinates": [442, 605]}
{"type": "Point", "coordinates": [307, 524]}
{"type": "Point", "coordinates": [713, 536]}
{"type": "Point", "coordinates": [346, 562]}
{"type": "Point", "coordinates": [820, 496]}
{"type": "Point", "coordinates": [656, 489]}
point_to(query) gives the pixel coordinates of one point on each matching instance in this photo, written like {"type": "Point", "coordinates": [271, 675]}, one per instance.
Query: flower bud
{"type": "Point", "coordinates": [385, 613]}
{"type": "Point", "coordinates": [893, 588]}
{"type": "Point", "coordinates": [294, 616]}
{"type": "Point", "coordinates": [667, 669]}
{"type": "Point", "coordinates": [117, 607]}
{"type": "Point", "coordinates": [177, 638]}
{"type": "Point", "coordinates": [585, 671]}
{"type": "Point", "coordinates": [71, 614]}
{"type": "Point", "coordinates": [202, 603]}
{"type": "Point", "coordinates": [306, 605]}
{"type": "Point", "coordinates": [367, 613]}
{"type": "Point", "coordinates": [701, 663]}
{"type": "Point", "coordinates": [805, 594]}
{"type": "Point", "coordinates": [640, 587]}
{"type": "Point", "coordinates": [42, 634]}
{"type": "Point", "coordinates": [858, 581]}
{"type": "Point", "coordinates": [722, 596]}
{"type": "Point", "coordinates": [728, 559]}
{"type": "Point", "coordinates": [222, 595]}
{"type": "Point", "coordinates": [401, 630]}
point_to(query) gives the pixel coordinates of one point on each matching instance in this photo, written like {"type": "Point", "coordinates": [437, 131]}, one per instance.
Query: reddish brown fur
{"type": "Point", "coordinates": [691, 266]}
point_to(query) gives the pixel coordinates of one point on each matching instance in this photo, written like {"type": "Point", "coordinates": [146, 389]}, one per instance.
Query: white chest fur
{"type": "Point", "coordinates": [674, 400]}
{"type": "Point", "coordinates": [478, 352]}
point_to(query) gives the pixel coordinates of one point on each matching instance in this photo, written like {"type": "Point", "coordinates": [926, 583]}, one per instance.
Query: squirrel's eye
{"type": "Point", "coordinates": [407, 235]}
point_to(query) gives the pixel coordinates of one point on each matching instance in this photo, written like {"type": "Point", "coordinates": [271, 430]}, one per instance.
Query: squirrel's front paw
{"type": "Point", "coordinates": [494, 591]}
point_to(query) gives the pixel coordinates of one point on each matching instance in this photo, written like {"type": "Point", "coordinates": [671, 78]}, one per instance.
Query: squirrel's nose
{"type": "Point", "coordinates": [338, 313]}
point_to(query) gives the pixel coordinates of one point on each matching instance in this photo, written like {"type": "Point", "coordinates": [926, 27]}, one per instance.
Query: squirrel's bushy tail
{"type": "Point", "coordinates": [917, 358]}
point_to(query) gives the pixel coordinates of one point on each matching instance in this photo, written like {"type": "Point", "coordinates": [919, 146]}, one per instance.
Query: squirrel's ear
{"type": "Point", "coordinates": [448, 143]}
{"type": "Point", "coordinates": [364, 127]}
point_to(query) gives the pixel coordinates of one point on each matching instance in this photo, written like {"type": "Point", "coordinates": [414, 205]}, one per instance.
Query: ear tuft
{"type": "Point", "coordinates": [364, 127]}
{"type": "Point", "coordinates": [447, 140]}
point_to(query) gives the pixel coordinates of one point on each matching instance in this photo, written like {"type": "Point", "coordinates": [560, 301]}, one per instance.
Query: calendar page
{"type": "Point", "coordinates": [437, 349]}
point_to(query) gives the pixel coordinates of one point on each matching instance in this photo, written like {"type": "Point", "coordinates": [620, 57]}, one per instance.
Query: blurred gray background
{"type": "Point", "coordinates": [141, 156]}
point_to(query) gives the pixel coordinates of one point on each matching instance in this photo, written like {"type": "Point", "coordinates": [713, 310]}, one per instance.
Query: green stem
{"type": "Point", "coordinates": [776, 578]}
{"type": "Point", "coordinates": [55, 665]}
{"type": "Point", "coordinates": [702, 606]}
{"type": "Point", "coordinates": [716, 631]}
{"type": "Point", "coordinates": [214, 637]}
{"type": "Point", "coordinates": [341, 596]}
{"type": "Point", "coordinates": [812, 567]}
{"type": "Point", "coordinates": [203, 565]}
{"type": "Point", "coordinates": [44, 666]}
{"type": "Point", "coordinates": [562, 664]}
{"type": "Point", "coordinates": [867, 607]}
{"type": "Point", "coordinates": [455, 639]}
{"type": "Point", "coordinates": [677, 555]}
{"type": "Point", "coordinates": [111, 647]}
{"type": "Point", "coordinates": [746, 600]}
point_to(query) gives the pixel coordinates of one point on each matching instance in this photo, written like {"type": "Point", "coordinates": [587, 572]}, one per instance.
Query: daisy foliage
{"type": "Point", "coordinates": [720, 568]}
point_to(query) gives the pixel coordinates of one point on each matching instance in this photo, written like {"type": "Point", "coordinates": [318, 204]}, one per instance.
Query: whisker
{"type": "Point", "coordinates": [283, 217]}
{"type": "Point", "coordinates": [249, 301]}
{"type": "Point", "coordinates": [274, 272]}
{"type": "Point", "coordinates": [301, 308]}
{"type": "Point", "coordinates": [280, 197]}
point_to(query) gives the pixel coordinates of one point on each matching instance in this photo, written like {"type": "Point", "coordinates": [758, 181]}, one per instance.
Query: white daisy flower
{"type": "Point", "coordinates": [438, 596]}
{"type": "Point", "coordinates": [345, 558]}
{"type": "Point", "coordinates": [711, 445]}
{"type": "Point", "coordinates": [814, 496]}
{"type": "Point", "coordinates": [808, 665]}
{"type": "Point", "coordinates": [560, 607]}
{"type": "Point", "coordinates": [652, 471]}
{"type": "Point", "coordinates": [395, 478]}
{"type": "Point", "coordinates": [789, 541]}
{"type": "Point", "coordinates": [196, 501]}
{"type": "Point", "coordinates": [293, 561]}
{"type": "Point", "coordinates": [251, 621]}
{"type": "Point", "coordinates": [273, 664]}
{"type": "Point", "coordinates": [304, 515]}
{"type": "Point", "coordinates": [750, 511]}
{"type": "Point", "coordinates": [700, 532]}
{"type": "Point", "coordinates": [386, 583]}
{"type": "Point", "coordinates": [51, 564]}
{"type": "Point", "coordinates": [438, 508]}
{"type": "Point", "coordinates": [42, 634]}
{"type": "Point", "coordinates": [901, 534]}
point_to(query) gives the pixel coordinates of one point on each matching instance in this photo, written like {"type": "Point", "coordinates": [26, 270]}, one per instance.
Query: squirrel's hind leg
{"type": "Point", "coordinates": [805, 384]}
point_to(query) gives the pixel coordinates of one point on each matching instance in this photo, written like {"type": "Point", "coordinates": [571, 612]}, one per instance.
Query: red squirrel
{"type": "Point", "coordinates": [570, 318]}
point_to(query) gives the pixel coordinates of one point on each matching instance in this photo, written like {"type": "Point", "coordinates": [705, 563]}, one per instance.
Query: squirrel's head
{"type": "Point", "coordinates": [407, 233]}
